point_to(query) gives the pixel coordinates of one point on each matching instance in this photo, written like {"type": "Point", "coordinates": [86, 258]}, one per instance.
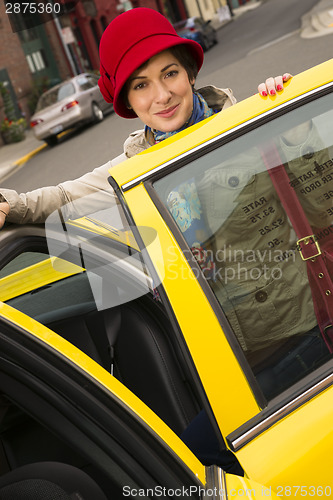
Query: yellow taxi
{"type": "Point", "coordinates": [196, 295]}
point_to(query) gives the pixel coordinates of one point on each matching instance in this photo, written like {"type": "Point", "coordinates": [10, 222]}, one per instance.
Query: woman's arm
{"type": "Point", "coordinates": [35, 206]}
{"type": "Point", "coordinates": [4, 210]}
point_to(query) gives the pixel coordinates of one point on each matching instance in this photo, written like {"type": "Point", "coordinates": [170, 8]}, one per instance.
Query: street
{"type": "Point", "coordinates": [263, 42]}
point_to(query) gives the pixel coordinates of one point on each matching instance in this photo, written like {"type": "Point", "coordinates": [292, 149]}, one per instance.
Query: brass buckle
{"type": "Point", "coordinates": [307, 240]}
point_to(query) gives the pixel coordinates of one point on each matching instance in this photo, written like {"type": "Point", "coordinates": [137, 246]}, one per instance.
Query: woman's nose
{"type": "Point", "coordinates": [162, 93]}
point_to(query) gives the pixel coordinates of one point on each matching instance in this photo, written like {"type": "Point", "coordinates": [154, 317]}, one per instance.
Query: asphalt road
{"type": "Point", "coordinates": [262, 42]}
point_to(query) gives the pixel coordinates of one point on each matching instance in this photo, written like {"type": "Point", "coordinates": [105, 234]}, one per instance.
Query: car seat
{"type": "Point", "coordinates": [49, 480]}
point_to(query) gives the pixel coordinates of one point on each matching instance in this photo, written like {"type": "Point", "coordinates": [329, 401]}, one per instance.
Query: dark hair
{"type": "Point", "coordinates": [186, 59]}
{"type": "Point", "coordinates": [183, 55]}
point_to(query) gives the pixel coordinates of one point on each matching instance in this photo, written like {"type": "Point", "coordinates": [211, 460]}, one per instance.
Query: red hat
{"type": "Point", "coordinates": [129, 41]}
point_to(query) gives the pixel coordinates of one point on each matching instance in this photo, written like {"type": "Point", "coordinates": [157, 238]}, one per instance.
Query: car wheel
{"type": "Point", "coordinates": [51, 141]}
{"type": "Point", "coordinates": [97, 113]}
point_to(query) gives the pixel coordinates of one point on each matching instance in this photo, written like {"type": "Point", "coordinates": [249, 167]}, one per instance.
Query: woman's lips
{"type": "Point", "coordinates": [167, 113]}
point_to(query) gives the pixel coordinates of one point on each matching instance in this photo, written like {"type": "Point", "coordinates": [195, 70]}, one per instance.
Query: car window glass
{"type": "Point", "coordinates": [101, 260]}
{"type": "Point", "coordinates": [55, 95]}
{"type": "Point", "coordinates": [85, 83]}
{"type": "Point", "coordinates": [257, 214]}
{"type": "Point", "coordinates": [65, 90]}
{"type": "Point", "coordinates": [93, 79]}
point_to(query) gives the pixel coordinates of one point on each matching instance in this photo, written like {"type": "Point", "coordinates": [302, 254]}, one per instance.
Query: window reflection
{"type": "Point", "coordinates": [257, 215]}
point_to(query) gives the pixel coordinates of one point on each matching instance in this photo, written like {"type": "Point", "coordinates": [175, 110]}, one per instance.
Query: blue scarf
{"type": "Point", "coordinates": [201, 110]}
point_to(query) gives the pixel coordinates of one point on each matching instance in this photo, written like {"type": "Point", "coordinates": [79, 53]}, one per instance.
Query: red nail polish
{"type": "Point", "coordinates": [272, 92]}
{"type": "Point", "coordinates": [264, 94]}
{"type": "Point", "coordinates": [279, 87]}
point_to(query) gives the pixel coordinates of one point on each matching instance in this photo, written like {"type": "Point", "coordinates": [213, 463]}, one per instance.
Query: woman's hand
{"type": "Point", "coordinates": [273, 85]}
{"type": "Point", "coordinates": [4, 211]}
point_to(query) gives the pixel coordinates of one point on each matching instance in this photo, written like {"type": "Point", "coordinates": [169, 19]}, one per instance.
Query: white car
{"type": "Point", "coordinates": [67, 105]}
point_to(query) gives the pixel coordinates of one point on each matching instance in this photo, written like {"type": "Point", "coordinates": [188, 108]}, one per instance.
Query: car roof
{"type": "Point", "coordinates": [134, 170]}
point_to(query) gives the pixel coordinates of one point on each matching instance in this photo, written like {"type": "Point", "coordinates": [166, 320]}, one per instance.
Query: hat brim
{"type": "Point", "coordinates": [142, 52]}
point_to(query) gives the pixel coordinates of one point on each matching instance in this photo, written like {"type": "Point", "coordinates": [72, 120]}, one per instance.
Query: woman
{"type": "Point", "coordinates": [150, 74]}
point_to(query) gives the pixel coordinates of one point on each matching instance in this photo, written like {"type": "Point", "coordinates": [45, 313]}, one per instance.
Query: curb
{"type": "Point", "coordinates": [25, 158]}
{"type": "Point", "coordinates": [318, 22]}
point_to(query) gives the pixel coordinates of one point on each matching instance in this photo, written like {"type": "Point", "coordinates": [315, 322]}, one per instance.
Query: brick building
{"type": "Point", "coordinates": [87, 19]}
{"type": "Point", "coordinates": [27, 57]}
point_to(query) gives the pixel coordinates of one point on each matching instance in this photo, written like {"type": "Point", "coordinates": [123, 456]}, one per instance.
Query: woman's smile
{"type": "Point", "coordinates": [169, 112]}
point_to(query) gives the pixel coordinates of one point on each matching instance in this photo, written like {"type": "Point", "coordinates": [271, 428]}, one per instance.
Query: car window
{"type": "Point", "coordinates": [88, 262]}
{"type": "Point", "coordinates": [85, 82]}
{"type": "Point", "coordinates": [257, 215]}
{"type": "Point", "coordinates": [55, 95]}
{"type": "Point", "coordinates": [65, 90]}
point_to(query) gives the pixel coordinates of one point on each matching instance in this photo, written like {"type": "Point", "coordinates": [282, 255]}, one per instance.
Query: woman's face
{"type": "Point", "coordinates": [160, 93]}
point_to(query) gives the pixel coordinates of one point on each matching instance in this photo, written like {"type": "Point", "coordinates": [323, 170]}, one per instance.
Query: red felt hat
{"type": "Point", "coordinates": [129, 41]}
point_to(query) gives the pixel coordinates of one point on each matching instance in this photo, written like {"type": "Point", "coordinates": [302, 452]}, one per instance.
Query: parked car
{"type": "Point", "coordinates": [70, 104]}
{"type": "Point", "coordinates": [118, 326]}
{"type": "Point", "coordinates": [195, 28]}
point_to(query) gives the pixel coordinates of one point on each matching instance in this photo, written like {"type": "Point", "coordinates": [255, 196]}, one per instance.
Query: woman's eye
{"type": "Point", "coordinates": [171, 73]}
{"type": "Point", "coordinates": [139, 86]}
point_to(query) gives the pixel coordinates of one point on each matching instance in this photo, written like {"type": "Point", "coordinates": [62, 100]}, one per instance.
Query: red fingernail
{"type": "Point", "coordinates": [279, 87]}
{"type": "Point", "coordinates": [264, 94]}
{"type": "Point", "coordinates": [272, 92]}
{"type": "Point", "coordinates": [284, 78]}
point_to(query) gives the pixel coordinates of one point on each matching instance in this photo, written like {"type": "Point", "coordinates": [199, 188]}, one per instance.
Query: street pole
{"type": "Point", "coordinates": [64, 45]}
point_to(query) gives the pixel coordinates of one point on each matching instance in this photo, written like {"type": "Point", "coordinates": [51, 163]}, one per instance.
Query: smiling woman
{"type": "Point", "coordinates": [150, 74]}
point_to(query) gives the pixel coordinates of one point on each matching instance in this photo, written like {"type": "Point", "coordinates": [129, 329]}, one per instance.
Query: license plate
{"type": "Point", "coordinates": [57, 129]}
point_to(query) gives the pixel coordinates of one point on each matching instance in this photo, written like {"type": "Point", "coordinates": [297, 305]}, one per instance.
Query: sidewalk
{"type": "Point", "coordinates": [318, 22]}
{"type": "Point", "coordinates": [251, 4]}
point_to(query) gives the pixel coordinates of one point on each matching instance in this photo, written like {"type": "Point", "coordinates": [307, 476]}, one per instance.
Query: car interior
{"type": "Point", "coordinates": [135, 340]}
{"type": "Point", "coordinates": [134, 337]}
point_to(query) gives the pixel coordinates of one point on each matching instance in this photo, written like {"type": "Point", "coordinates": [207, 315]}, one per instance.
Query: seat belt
{"type": "Point", "coordinates": [316, 258]}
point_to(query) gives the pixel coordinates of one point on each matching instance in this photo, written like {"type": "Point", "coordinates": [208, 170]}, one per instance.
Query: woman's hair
{"type": "Point", "coordinates": [185, 58]}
